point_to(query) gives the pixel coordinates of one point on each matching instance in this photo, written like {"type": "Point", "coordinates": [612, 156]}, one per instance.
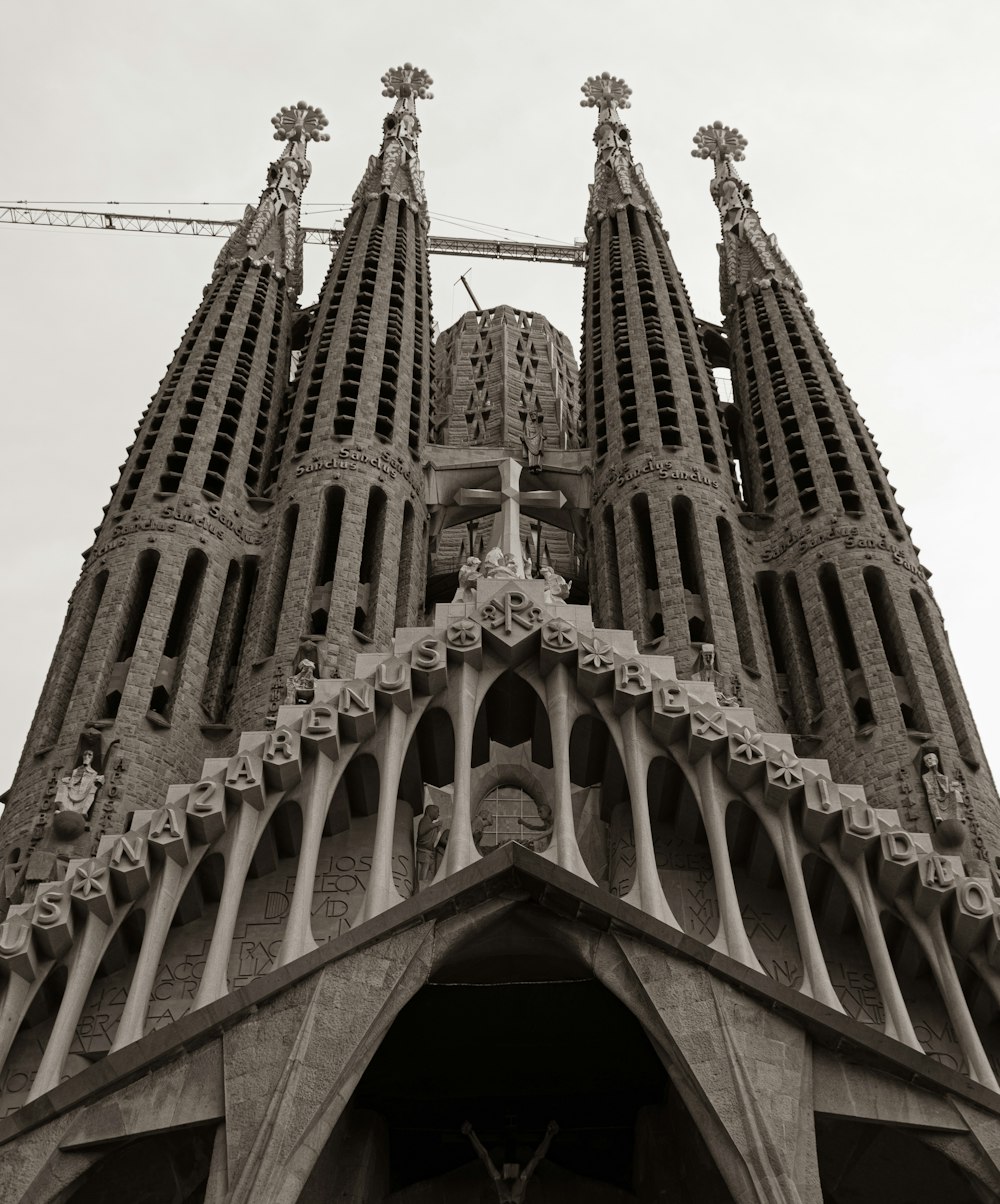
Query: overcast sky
{"type": "Point", "coordinates": [871, 127]}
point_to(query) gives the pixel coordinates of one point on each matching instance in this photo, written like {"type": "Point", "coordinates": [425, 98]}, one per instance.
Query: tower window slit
{"type": "Point", "coordinates": [689, 554]}
{"type": "Point", "coordinates": [326, 560]}
{"type": "Point", "coordinates": [407, 562]}
{"type": "Point", "coordinates": [652, 610]}
{"type": "Point", "coordinates": [659, 365]}
{"type": "Point", "coordinates": [65, 670]}
{"type": "Point", "coordinates": [166, 395]}
{"type": "Point", "coordinates": [371, 565]}
{"type": "Point", "coordinates": [737, 595]}
{"type": "Point", "coordinates": [690, 345]}
{"type": "Point", "coordinates": [230, 628]}
{"type": "Point", "coordinates": [894, 646]}
{"type": "Point", "coordinates": [843, 635]}
{"type": "Point", "coordinates": [310, 401]}
{"type": "Point", "coordinates": [862, 437]}
{"type": "Point", "coordinates": [593, 350]}
{"type": "Point", "coordinates": [611, 562]}
{"type": "Point", "coordinates": [345, 411]}
{"type": "Point", "coordinates": [764, 459]}
{"type": "Point", "coordinates": [168, 675]}
{"type": "Point", "coordinates": [842, 474]}
{"type": "Point", "coordinates": [628, 408]}
{"type": "Point", "coordinates": [255, 464]}
{"type": "Point", "coordinates": [805, 676]}
{"type": "Point", "coordinates": [279, 579]}
{"type": "Point", "coordinates": [947, 679]}
{"type": "Point", "coordinates": [134, 611]}
{"type": "Point", "coordinates": [774, 624]}
{"type": "Point", "coordinates": [385, 418]}
{"type": "Point", "coordinates": [802, 476]}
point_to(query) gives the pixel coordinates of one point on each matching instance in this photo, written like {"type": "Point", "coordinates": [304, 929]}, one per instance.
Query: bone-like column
{"type": "Point", "coordinates": [786, 847]}
{"type": "Point", "coordinates": [646, 893]}
{"type": "Point", "coordinates": [934, 942]}
{"type": "Point", "coordinates": [322, 777]}
{"type": "Point", "coordinates": [16, 997]}
{"type": "Point", "coordinates": [382, 893]}
{"type": "Point", "coordinates": [859, 890]}
{"type": "Point", "coordinates": [462, 700]}
{"type": "Point", "coordinates": [564, 849]}
{"type": "Point", "coordinates": [170, 885]}
{"type": "Point", "coordinates": [87, 955]}
{"type": "Point", "coordinates": [732, 937]}
{"type": "Point", "coordinates": [249, 825]}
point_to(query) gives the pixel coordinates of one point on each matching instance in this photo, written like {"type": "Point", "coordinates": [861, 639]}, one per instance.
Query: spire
{"type": "Point", "coordinates": [270, 232]}
{"type": "Point", "coordinates": [395, 170]}
{"type": "Point", "coordinates": [749, 256]}
{"type": "Point", "coordinates": [618, 179]}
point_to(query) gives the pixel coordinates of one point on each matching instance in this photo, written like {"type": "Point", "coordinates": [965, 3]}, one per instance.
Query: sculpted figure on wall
{"type": "Point", "coordinates": [496, 564]}
{"type": "Point", "coordinates": [534, 438]}
{"type": "Point", "coordinates": [429, 833]}
{"type": "Point", "coordinates": [468, 575]}
{"type": "Point", "coordinates": [705, 670]}
{"type": "Point", "coordinates": [302, 685]}
{"type": "Point", "coordinates": [511, 1183]}
{"type": "Point", "coordinates": [556, 586]}
{"type": "Point", "coordinates": [77, 790]}
{"type": "Point", "coordinates": [946, 803]}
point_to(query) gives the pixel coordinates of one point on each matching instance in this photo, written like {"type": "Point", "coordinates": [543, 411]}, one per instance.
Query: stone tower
{"type": "Point", "coordinates": [672, 553]}
{"type": "Point", "coordinates": [452, 785]}
{"type": "Point", "coordinates": [348, 513]}
{"type": "Point", "coordinates": [856, 645]}
{"type": "Point", "coordinates": [146, 665]}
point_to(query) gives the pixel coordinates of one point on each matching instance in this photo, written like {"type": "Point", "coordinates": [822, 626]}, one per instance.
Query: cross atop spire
{"type": "Point", "coordinates": [608, 94]}
{"type": "Point", "coordinates": [749, 256]}
{"type": "Point", "coordinates": [719, 143]}
{"type": "Point", "coordinates": [407, 82]}
{"type": "Point", "coordinates": [300, 123]}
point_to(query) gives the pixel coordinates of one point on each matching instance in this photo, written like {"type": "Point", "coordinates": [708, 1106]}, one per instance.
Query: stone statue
{"type": "Point", "coordinates": [468, 575]}
{"type": "Point", "coordinates": [512, 1183]}
{"type": "Point", "coordinates": [944, 797]}
{"type": "Point", "coordinates": [302, 686]}
{"type": "Point", "coordinates": [482, 821]}
{"type": "Point", "coordinates": [705, 670]}
{"type": "Point", "coordinates": [534, 438]}
{"type": "Point", "coordinates": [429, 831]}
{"type": "Point", "coordinates": [542, 827]}
{"type": "Point", "coordinates": [556, 586]}
{"type": "Point", "coordinates": [496, 564]}
{"type": "Point", "coordinates": [77, 790]}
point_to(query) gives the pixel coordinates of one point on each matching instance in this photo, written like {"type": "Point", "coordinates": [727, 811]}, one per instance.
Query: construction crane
{"type": "Point", "coordinates": [482, 248]}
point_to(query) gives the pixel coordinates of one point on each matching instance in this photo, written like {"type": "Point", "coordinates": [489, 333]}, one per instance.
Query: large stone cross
{"type": "Point", "coordinates": [506, 533]}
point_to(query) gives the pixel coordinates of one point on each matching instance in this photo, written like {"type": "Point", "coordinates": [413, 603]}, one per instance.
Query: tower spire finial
{"type": "Point", "coordinates": [278, 207]}
{"type": "Point", "coordinates": [608, 94]}
{"type": "Point", "coordinates": [402, 126]}
{"type": "Point", "coordinates": [616, 175]}
{"type": "Point", "coordinates": [396, 169]}
{"type": "Point", "coordinates": [749, 256]}
{"type": "Point", "coordinates": [299, 124]}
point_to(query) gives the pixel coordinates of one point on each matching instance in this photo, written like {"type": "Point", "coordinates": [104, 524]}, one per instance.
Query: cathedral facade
{"type": "Point", "coordinates": [465, 774]}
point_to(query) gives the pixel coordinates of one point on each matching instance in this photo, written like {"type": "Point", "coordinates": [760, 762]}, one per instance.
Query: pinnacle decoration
{"type": "Point", "coordinates": [719, 142]}
{"type": "Point", "coordinates": [407, 82]}
{"type": "Point", "coordinates": [300, 123]}
{"type": "Point", "coordinates": [607, 91]}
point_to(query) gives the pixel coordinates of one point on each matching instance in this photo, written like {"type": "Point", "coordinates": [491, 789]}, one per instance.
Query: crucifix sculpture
{"type": "Point", "coordinates": [506, 533]}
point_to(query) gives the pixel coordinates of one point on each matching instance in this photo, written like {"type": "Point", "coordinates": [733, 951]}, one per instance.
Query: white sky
{"type": "Point", "coordinates": [871, 131]}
